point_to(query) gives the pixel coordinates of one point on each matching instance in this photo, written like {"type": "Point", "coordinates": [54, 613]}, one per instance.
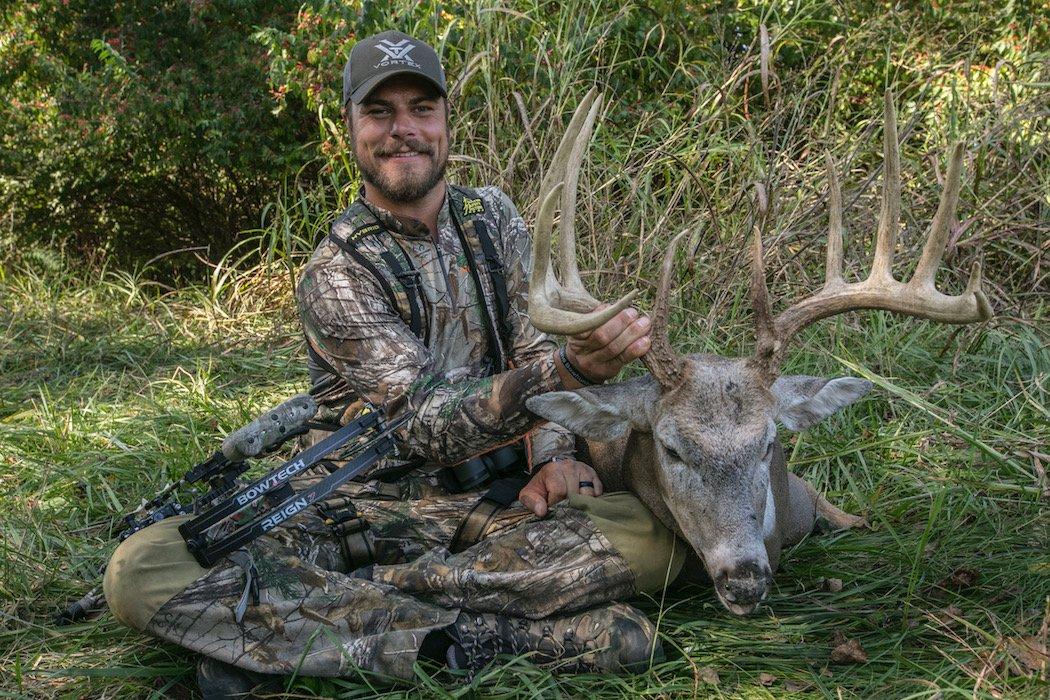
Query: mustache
{"type": "Point", "coordinates": [407, 145]}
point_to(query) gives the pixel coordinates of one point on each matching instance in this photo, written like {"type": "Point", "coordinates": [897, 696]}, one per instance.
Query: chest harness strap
{"type": "Point", "coordinates": [474, 238]}
{"type": "Point", "coordinates": [398, 264]}
{"type": "Point", "coordinates": [375, 248]}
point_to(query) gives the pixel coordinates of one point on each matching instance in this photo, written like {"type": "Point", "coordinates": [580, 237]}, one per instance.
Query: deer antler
{"type": "Point", "coordinates": [916, 297]}
{"type": "Point", "coordinates": [568, 308]}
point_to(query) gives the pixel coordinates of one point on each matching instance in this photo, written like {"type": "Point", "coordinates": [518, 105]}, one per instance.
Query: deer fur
{"type": "Point", "coordinates": [704, 459]}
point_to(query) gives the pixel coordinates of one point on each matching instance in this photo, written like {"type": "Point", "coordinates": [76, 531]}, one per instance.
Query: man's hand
{"type": "Point", "coordinates": [555, 481]}
{"type": "Point", "coordinates": [602, 352]}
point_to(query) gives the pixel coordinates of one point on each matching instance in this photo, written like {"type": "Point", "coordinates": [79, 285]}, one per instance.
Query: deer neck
{"type": "Point", "coordinates": [640, 462]}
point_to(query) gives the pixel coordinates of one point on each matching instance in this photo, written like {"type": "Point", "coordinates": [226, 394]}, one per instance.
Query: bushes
{"type": "Point", "coordinates": [687, 130]}
{"type": "Point", "coordinates": [134, 127]}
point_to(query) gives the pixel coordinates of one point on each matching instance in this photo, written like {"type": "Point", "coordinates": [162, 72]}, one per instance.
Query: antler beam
{"type": "Point", "coordinates": [566, 308]}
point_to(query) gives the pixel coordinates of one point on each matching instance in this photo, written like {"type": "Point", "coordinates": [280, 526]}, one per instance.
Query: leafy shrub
{"type": "Point", "coordinates": [134, 127]}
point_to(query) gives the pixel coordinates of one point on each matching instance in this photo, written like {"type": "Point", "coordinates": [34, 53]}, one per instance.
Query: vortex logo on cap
{"type": "Point", "coordinates": [396, 52]}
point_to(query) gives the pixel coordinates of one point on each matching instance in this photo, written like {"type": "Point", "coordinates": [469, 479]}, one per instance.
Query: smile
{"type": "Point", "coordinates": [407, 154]}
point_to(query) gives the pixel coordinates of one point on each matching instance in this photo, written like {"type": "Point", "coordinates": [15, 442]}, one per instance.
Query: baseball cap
{"type": "Point", "coordinates": [382, 56]}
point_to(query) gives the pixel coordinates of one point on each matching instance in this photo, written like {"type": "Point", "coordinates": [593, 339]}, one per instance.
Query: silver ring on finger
{"type": "Point", "coordinates": [586, 484]}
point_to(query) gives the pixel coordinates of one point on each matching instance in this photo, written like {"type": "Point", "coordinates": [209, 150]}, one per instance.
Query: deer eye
{"type": "Point", "coordinates": [673, 454]}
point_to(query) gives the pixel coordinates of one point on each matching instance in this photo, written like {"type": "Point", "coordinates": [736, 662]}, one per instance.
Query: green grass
{"type": "Point", "coordinates": [110, 387]}
{"type": "Point", "coordinates": [112, 383]}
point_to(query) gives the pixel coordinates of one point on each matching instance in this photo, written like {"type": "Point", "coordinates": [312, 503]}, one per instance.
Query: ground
{"type": "Point", "coordinates": [110, 386]}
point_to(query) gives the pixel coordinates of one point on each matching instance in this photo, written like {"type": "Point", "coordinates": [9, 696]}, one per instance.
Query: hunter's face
{"type": "Point", "coordinates": [400, 137]}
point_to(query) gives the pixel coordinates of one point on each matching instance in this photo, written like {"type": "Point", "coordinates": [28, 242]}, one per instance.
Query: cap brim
{"type": "Point", "coordinates": [363, 90]}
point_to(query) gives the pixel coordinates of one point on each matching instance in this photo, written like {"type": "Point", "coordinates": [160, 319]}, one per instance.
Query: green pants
{"type": "Point", "coordinates": [549, 587]}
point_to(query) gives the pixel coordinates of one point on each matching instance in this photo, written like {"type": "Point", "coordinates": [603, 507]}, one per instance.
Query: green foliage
{"type": "Point", "coordinates": [134, 127]}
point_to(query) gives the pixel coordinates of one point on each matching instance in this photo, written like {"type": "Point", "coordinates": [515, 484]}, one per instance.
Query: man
{"type": "Point", "coordinates": [416, 301]}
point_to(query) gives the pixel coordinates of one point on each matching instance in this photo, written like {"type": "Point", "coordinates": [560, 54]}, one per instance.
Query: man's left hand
{"type": "Point", "coordinates": [555, 481]}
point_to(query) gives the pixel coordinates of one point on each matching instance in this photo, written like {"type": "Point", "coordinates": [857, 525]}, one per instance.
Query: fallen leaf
{"type": "Point", "coordinates": [959, 579]}
{"type": "Point", "coordinates": [947, 616]}
{"type": "Point", "coordinates": [797, 686]}
{"type": "Point", "coordinates": [709, 675]}
{"type": "Point", "coordinates": [1030, 652]}
{"type": "Point", "coordinates": [1040, 472]}
{"type": "Point", "coordinates": [849, 652]}
{"type": "Point", "coordinates": [832, 585]}
{"type": "Point", "coordinates": [767, 679]}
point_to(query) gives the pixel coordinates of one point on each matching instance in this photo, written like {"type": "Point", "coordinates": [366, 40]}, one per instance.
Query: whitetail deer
{"type": "Point", "coordinates": [695, 439]}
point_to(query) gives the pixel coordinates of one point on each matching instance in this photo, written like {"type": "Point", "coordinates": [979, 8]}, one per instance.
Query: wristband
{"type": "Point", "coordinates": [575, 373]}
{"type": "Point", "coordinates": [541, 465]}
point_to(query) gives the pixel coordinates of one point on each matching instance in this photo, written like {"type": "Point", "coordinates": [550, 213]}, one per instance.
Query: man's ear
{"type": "Point", "coordinates": [602, 413]}
{"type": "Point", "coordinates": [805, 401]}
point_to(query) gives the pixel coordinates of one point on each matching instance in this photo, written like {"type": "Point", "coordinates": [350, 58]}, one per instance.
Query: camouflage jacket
{"type": "Point", "coordinates": [463, 407]}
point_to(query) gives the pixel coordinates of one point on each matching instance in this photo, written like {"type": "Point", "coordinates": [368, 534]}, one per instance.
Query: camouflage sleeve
{"type": "Point", "coordinates": [348, 320]}
{"type": "Point", "coordinates": [527, 343]}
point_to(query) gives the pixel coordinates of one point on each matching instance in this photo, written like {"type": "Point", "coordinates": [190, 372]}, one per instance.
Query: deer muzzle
{"type": "Point", "coordinates": [743, 586]}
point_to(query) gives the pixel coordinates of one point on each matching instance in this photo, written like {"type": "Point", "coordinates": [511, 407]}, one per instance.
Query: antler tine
{"type": "Point", "coordinates": [890, 216]}
{"type": "Point", "coordinates": [926, 270]}
{"type": "Point", "coordinates": [541, 279]}
{"type": "Point", "coordinates": [662, 360]}
{"type": "Point", "coordinates": [552, 307]}
{"type": "Point", "coordinates": [765, 332]}
{"type": "Point", "coordinates": [571, 284]}
{"type": "Point", "coordinates": [833, 268]}
{"type": "Point", "coordinates": [556, 172]}
{"type": "Point", "coordinates": [918, 297]}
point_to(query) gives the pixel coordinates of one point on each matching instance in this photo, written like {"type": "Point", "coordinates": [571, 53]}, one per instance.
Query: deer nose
{"type": "Point", "coordinates": [745, 584]}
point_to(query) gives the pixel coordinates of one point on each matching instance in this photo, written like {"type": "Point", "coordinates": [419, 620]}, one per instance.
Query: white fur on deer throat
{"type": "Point", "coordinates": [769, 518]}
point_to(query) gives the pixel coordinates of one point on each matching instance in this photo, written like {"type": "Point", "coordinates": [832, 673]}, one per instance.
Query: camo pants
{"type": "Point", "coordinates": [547, 587]}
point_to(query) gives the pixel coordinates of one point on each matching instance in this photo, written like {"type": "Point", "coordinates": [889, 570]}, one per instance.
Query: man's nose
{"type": "Point", "coordinates": [402, 125]}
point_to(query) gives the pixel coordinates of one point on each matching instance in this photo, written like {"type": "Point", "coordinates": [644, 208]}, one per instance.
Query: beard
{"type": "Point", "coordinates": [407, 185]}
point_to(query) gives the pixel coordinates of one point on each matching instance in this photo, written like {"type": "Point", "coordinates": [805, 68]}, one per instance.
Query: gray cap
{"type": "Point", "coordinates": [382, 56]}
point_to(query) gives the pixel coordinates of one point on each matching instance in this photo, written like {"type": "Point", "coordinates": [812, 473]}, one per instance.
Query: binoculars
{"type": "Point", "coordinates": [477, 471]}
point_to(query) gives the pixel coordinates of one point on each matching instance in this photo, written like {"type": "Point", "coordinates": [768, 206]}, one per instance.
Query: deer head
{"type": "Point", "coordinates": [710, 421]}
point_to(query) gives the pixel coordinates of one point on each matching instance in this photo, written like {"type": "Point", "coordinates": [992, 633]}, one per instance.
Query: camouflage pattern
{"type": "Point", "coordinates": [613, 637]}
{"type": "Point", "coordinates": [463, 406]}
{"type": "Point", "coordinates": [498, 574]}
{"type": "Point", "coordinates": [543, 586]}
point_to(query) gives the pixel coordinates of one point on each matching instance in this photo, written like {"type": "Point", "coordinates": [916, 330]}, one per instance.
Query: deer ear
{"type": "Point", "coordinates": [805, 401]}
{"type": "Point", "coordinates": [602, 413]}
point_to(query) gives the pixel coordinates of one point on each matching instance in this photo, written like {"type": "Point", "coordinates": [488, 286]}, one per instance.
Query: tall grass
{"type": "Point", "coordinates": [111, 383]}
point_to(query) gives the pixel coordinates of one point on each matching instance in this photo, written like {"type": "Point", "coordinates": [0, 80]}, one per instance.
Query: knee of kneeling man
{"type": "Point", "coordinates": [147, 570]}
{"type": "Point", "coordinates": [653, 552]}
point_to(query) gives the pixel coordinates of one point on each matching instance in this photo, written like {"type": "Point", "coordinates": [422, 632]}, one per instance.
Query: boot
{"type": "Point", "coordinates": [611, 639]}
{"type": "Point", "coordinates": [218, 680]}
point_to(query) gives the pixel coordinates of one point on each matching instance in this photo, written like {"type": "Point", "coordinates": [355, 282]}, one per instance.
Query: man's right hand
{"type": "Point", "coordinates": [600, 354]}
